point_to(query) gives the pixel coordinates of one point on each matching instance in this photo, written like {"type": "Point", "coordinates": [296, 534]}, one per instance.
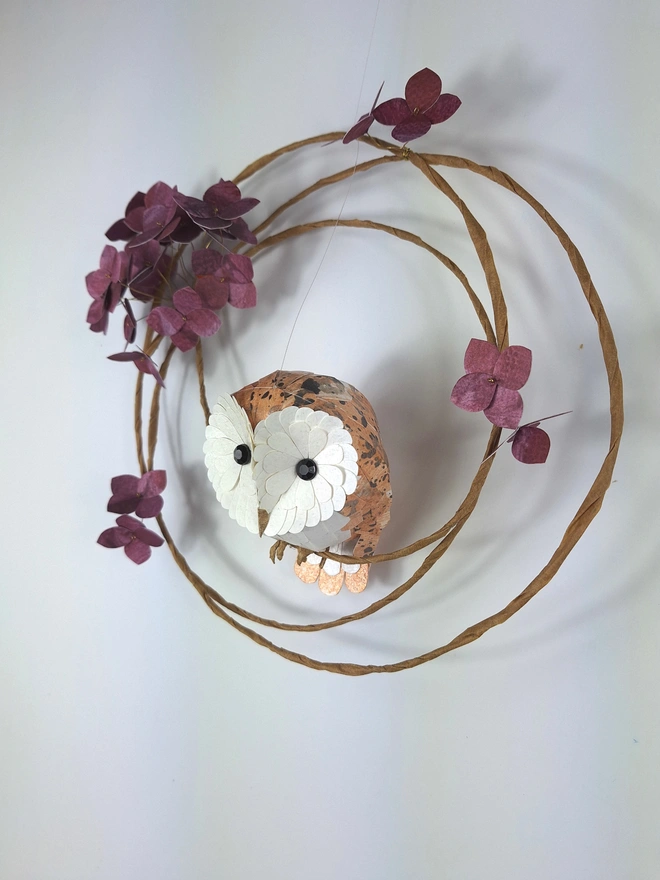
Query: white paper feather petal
{"type": "Point", "coordinates": [338, 498]}
{"type": "Point", "coordinates": [299, 433]}
{"type": "Point", "coordinates": [317, 442]}
{"type": "Point", "coordinates": [330, 455]}
{"type": "Point", "coordinates": [350, 483]}
{"type": "Point", "coordinates": [333, 474]}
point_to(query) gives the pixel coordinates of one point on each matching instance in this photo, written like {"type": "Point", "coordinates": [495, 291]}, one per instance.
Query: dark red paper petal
{"type": "Point", "coordinates": [423, 90]}
{"type": "Point", "coordinates": [147, 507]}
{"type": "Point", "coordinates": [114, 537]}
{"type": "Point", "coordinates": [119, 231]}
{"type": "Point", "coordinates": [391, 112]}
{"type": "Point", "coordinates": [242, 296]}
{"type": "Point", "coordinates": [185, 339]}
{"type": "Point", "coordinates": [360, 128]}
{"type": "Point", "coordinates": [473, 392]}
{"type": "Point", "coordinates": [113, 296]}
{"type": "Point", "coordinates": [135, 219]}
{"type": "Point", "coordinates": [445, 106]}
{"type": "Point", "coordinates": [97, 283]}
{"type": "Point", "coordinates": [148, 537]}
{"type": "Point", "coordinates": [186, 300]}
{"type": "Point", "coordinates": [126, 356]}
{"type": "Point", "coordinates": [121, 504]}
{"type": "Point", "coordinates": [513, 367]}
{"type": "Point", "coordinates": [100, 326]}
{"type": "Point", "coordinates": [137, 552]}
{"type": "Point", "coordinates": [186, 230]}
{"type": "Point", "coordinates": [130, 325]}
{"type": "Point", "coordinates": [97, 312]}
{"type": "Point", "coordinates": [159, 194]}
{"type": "Point", "coordinates": [238, 267]}
{"type": "Point", "coordinates": [237, 209]}
{"type": "Point", "coordinates": [415, 127]}
{"type": "Point", "coordinates": [531, 445]}
{"type": "Point", "coordinates": [505, 409]}
{"type": "Point", "coordinates": [152, 483]}
{"type": "Point", "coordinates": [213, 292]}
{"type": "Point", "coordinates": [129, 522]}
{"type": "Point", "coordinates": [239, 229]}
{"type": "Point", "coordinates": [165, 320]}
{"type": "Point", "coordinates": [148, 235]}
{"type": "Point", "coordinates": [480, 356]}
{"type": "Point", "coordinates": [146, 365]}
{"type": "Point", "coordinates": [222, 193]}
{"type": "Point", "coordinates": [211, 221]}
{"type": "Point", "coordinates": [203, 322]}
{"type": "Point", "coordinates": [107, 261]}
{"type": "Point", "coordinates": [136, 202]}
{"type": "Point", "coordinates": [124, 485]}
{"type": "Point", "coordinates": [206, 261]}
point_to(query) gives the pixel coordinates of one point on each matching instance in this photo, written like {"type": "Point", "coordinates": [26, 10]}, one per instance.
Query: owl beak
{"type": "Point", "coordinates": [263, 517]}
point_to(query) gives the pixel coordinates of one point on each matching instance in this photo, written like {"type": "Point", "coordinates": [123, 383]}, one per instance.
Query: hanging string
{"type": "Point", "coordinates": [346, 195]}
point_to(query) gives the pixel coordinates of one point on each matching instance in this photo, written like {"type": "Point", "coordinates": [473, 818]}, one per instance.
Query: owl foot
{"type": "Point", "coordinates": [332, 575]}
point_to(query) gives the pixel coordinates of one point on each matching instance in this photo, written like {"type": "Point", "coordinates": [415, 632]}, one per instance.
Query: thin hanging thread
{"type": "Point", "coordinates": [348, 192]}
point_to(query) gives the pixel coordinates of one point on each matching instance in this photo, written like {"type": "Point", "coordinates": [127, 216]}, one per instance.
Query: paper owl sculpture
{"type": "Point", "coordinates": [298, 457]}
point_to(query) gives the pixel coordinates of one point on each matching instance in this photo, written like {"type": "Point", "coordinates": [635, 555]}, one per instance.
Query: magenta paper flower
{"type": "Point", "coordinates": [423, 106]}
{"type": "Point", "coordinates": [148, 266]}
{"type": "Point", "coordinates": [139, 495]}
{"type": "Point", "coordinates": [133, 536]}
{"type": "Point", "coordinates": [105, 285]}
{"type": "Point", "coordinates": [224, 279]}
{"type": "Point", "coordinates": [187, 321]}
{"type": "Point", "coordinates": [142, 361]}
{"type": "Point", "coordinates": [363, 124]}
{"type": "Point", "coordinates": [219, 209]}
{"type": "Point", "coordinates": [492, 382]}
{"type": "Point", "coordinates": [153, 216]}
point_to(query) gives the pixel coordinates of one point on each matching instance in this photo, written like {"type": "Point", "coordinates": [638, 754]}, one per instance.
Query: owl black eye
{"type": "Point", "coordinates": [306, 469]}
{"type": "Point", "coordinates": [242, 454]}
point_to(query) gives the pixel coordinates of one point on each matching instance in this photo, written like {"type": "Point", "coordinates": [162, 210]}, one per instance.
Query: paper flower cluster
{"type": "Point", "coordinates": [142, 496]}
{"type": "Point", "coordinates": [491, 385]}
{"type": "Point", "coordinates": [424, 105]}
{"type": "Point", "coordinates": [157, 228]}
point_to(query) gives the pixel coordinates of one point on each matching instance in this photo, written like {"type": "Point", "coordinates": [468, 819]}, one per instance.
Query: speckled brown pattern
{"type": "Point", "coordinates": [368, 508]}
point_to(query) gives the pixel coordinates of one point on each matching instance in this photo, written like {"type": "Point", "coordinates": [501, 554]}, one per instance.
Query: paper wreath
{"type": "Point", "coordinates": [305, 464]}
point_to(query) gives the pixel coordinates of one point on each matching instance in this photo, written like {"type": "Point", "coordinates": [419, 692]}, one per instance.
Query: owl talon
{"type": "Point", "coordinates": [357, 581]}
{"type": "Point", "coordinates": [308, 572]}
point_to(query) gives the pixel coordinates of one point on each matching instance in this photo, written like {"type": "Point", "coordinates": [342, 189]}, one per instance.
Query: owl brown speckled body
{"type": "Point", "coordinates": [367, 508]}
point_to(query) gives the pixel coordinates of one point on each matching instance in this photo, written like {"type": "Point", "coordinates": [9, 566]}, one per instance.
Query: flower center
{"type": "Point", "coordinates": [242, 454]}
{"type": "Point", "coordinates": [306, 469]}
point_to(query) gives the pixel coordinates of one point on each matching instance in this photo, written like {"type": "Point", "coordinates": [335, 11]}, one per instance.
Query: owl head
{"type": "Point", "coordinates": [296, 454]}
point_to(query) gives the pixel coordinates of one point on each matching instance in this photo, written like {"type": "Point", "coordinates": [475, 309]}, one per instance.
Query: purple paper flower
{"type": "Point", "coordinates": [148, 266]}
{"type": "Point", "coordinates": [363, 124]}
{"type": "Point", "coordinates": [153, 216]}
{"type": "Point", "coordinates": [492, 382]}
{"type": "Point", "coordinates": [187, 321]}
{"type": "Point", "coordinates": [224, 278]}
{"type": "Point", "coordinates": [133, 536]}
{"type": "Point", "coordinates": [140, 495]}
{"type": "Point", "coordinates": [105, 285]}
{"type": "Point", "coordinates": [423, 106]}
{"type": "Point", "coordinates": [219, 209]}
{"type": "Point", "coordinates": [142, 361]}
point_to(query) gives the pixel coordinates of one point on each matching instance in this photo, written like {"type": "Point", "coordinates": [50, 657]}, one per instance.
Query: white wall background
{"type": "Point", "coordinates": [142, 737]}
